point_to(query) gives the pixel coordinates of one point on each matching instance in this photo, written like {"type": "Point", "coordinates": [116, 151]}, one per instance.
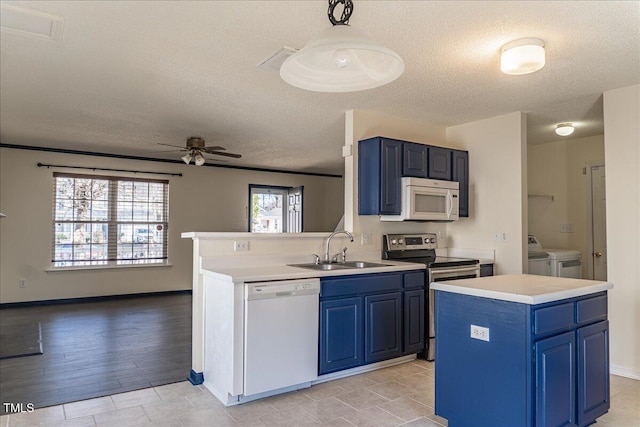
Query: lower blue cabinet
{"type": "Point", "coordinates": [382, 327]}
{"type": "Point", "coordinates": [593, 371]}
{"type": "Point", "coordinates": [340, 334]}
{"type": "Point", "coordinates": [555, 380]}
{"type": "Point", "coordinates": [369, 318]}
{"type": "Point", "coordinates": [413, 311]}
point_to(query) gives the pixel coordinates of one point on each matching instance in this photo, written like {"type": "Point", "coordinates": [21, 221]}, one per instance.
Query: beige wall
{"type": "Point", "coordinates": [556, 168]}
{"type": "Point", "coordinates": [203, 199]}
{"type": "Point", "coordinates": [497, 183]}
{"type": "Point", "coordinates": [622, 154]}
{"type": "Point", "coordinates": [366, 124]}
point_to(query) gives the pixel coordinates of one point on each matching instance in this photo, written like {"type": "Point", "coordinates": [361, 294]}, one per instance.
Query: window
{"type": "Point", "coordinates": [275, 209]}
{"type": "Point", "coordinates": [109, 221]}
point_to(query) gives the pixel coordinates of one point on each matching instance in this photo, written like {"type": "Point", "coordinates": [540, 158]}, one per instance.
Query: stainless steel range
{"type": "Point", "coordinates": [421, 248]}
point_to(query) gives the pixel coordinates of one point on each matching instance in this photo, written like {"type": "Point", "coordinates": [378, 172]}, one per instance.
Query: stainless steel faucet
{"type": "Point", "coordinates": [327, 256]}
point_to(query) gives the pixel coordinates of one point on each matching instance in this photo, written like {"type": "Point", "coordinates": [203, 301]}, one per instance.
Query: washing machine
{"type": "Point", "coordinates": [539, 261]}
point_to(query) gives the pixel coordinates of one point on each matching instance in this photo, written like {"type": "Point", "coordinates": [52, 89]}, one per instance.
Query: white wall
{"type": "Point", "coordinates": [497, 189]}
{"type": "Point", "coordinates": [622, 154]}
{"type": "Point", "coordinates": [203, 199]}
{"type": "Point", "coordinates": [366, 124]}
{"type": "Point", "coordinates": [556, 168]}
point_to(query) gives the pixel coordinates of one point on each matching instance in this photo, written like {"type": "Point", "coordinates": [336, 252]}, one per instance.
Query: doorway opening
{"type": "Point", "coordinates": [275, 209]}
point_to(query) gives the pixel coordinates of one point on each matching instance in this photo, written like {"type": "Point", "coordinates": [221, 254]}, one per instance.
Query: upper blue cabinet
{"type": "Point", "coordinates": [414, 160]}
{"type": "Point", "coordinates": [379, 173]}
{"type": "Point", "coordinates": [439, 163]}
{"type": "Point", "coordinates": [382, 162]}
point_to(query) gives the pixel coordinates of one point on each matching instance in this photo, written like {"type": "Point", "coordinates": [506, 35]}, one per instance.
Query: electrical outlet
{"type": "Point", "coordinates": [366, 238]}
{"type": "Point", "coordinates": [241, 245]}
{"type": "Point", "coordinates": [22, 283]}
{"type": "Point", "coordinates": [479, 333]}
{"type": "Point", "coordinates": [440, 236]}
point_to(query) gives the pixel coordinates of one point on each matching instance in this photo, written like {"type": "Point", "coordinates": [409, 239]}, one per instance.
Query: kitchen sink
{"type": "Point", "coordinates": [364, 264]}
{"type": "Point", "coordinates": [339, 265]}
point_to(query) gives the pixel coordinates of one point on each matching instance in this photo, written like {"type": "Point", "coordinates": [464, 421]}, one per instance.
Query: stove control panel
{"type": "Point", "coordinates": [398, 242]}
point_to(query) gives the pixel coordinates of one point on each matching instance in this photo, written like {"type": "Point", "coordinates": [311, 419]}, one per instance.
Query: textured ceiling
{"type": "Point", "coordinates": [129, 75]}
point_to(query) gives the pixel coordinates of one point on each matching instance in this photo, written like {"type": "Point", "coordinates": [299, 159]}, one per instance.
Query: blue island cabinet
{"type": "Point", "coordinates": [543, 365]}
{"type": "Point", "coordinates": [370, 318]}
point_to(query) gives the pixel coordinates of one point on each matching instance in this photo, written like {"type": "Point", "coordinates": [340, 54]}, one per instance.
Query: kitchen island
{"type": "Point", "coordinates": [521, 350]}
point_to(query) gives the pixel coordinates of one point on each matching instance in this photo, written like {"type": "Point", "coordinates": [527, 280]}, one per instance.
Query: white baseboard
{"type": "Point", "coordinates": [624, 372]}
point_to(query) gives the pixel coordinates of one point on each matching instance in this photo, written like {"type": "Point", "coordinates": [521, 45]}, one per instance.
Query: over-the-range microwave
{"type": "Point", "coordinates": [427, 200]}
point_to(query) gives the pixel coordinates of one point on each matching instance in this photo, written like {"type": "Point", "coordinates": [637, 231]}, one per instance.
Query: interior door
{"type": "Point", "coordinates": [294, 222]}
{"type": "Point", "coordinates": [599, 230]}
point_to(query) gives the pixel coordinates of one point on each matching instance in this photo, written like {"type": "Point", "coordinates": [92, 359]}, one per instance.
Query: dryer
{"type": "Point", "coordinates": [561, 262]}
{"type": "Point", "coordinates": [565, 263]}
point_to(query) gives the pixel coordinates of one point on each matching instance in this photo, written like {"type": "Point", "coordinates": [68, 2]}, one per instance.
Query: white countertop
{"type": "Point", "coordinates": [261, 273]}
{"type": "Point", "coordinates": [523, 288]}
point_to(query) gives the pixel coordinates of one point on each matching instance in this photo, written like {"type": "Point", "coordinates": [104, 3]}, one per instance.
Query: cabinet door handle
{"type": "Point", "coordinates": [597, 254]}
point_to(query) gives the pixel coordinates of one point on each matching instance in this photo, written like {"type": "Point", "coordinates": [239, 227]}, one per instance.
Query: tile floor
{"type": "Point", "coordinates": [394, 396]}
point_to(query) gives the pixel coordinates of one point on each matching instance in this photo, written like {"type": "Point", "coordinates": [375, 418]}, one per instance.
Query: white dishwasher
{"type": "Point", "coordinates": [281, 334]}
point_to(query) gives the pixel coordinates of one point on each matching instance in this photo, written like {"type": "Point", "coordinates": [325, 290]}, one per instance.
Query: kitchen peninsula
{"type": "Point", "coordinates": [521, 350]}
{"type": "Point", "coordinates": [255, 310]}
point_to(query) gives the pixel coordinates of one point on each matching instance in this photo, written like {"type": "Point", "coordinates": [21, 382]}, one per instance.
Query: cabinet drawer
{"type": "Point", "coordinates": [414, 279]}
{"type": "Point", "coordinates": [354, 285]}
{"type": "Point", "coordinates": [554, 318]}
{"type": "Point", "coordinates": [592, 309]}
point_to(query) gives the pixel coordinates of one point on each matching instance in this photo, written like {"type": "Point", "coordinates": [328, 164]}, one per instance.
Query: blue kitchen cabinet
{"type": "Point", "coordinates": [460, 173]}
{"type": "Point", "coordinates": [593, 371]}
{"type": "Point", "coordinates": [541, 365]}
{"type": "Point", "coordinates": [440, 163]}
{"type": "Point", "coordinates": [413, 311]}
{"type": "Point", "coordinates": [379, 173]}
{"type": "Point", "coordinates": [369, 318]}
{"type": "Point", "coordinates": [383, 332]}
{"type": "Point", "coordinates": [341, 331]}
{"type": "Point", "coordinates": [382, 162]}
{"type": "Point", "coordinates": [414, 160]}
{"type": "Point", "coordinates": [555, 382]}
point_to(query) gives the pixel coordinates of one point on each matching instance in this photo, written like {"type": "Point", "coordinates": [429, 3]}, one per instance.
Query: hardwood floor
{"type": "Point", "coordinates": [94, 349]}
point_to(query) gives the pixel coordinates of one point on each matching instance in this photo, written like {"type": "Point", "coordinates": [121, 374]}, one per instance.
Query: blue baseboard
{"type": "Point", "coordinates": [196, 378]}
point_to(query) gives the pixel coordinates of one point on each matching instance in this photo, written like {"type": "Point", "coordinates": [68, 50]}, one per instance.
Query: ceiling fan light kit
{"type": "Point", "coordinates": [341, 59]}
{"type": "Point", "coordinates": [523, 56]}
{"type": "Point", "coordinates": [186, 158]}
{"type": "Point", "coordinates": [564, 129]}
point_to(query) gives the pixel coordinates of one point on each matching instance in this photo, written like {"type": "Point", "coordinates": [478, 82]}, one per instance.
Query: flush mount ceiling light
{"type": "Point", "coordinates": [341, 59]}
{"type": "Point", "coordinates": [564, 129]}
{"type": "Point", "coordinates": [522, 56]}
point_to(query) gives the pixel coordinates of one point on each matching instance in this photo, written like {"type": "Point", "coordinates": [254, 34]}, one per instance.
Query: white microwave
{"type": "Point", "coordinates": [427, 200]}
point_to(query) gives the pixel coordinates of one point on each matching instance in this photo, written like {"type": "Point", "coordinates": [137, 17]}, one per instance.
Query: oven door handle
{"type": "Point", "coordinates": [474, 269]}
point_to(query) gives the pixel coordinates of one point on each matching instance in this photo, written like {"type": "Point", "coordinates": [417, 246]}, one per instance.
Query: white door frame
{"type": "Point", "coordinates": [590, 250]}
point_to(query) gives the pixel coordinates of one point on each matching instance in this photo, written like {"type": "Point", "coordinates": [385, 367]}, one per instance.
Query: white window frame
{"type": "Point", "coordinates": [106, 216]}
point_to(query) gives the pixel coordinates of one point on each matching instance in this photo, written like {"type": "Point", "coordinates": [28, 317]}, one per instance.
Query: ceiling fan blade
{"type": "Point", "coordinates": [174, 146]}
{"type": "Point", "coordinates": [209, 149]}
{"type": "Point", "coordinates": [219, 153]}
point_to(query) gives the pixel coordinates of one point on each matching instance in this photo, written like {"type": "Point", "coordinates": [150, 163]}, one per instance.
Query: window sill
{"type": "Point", "coordinates": [104, 267]}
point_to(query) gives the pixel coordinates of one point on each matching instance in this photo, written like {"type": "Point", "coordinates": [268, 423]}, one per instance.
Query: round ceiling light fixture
{"type": "Point", "coordinates": [564, 129]}
{"type": "Point", "coordinates": [523, 56]}
{"type": "Point", "coordinates": [341, 59]}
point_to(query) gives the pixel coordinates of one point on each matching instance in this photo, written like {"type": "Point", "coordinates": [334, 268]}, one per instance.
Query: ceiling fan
{"type": "Point", "coordinates": [195, 147]}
